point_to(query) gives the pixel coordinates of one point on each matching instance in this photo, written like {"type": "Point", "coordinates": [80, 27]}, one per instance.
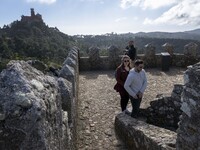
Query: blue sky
{"type": "Point", "coordinates": [105, 16]}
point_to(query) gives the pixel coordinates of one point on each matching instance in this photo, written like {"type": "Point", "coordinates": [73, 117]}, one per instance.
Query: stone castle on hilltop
{"type": "Point", "coordinates": [33, 18]}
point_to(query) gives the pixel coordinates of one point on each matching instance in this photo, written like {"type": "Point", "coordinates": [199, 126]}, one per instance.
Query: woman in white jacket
{"type": "Point", "coordinates": [135, 85]}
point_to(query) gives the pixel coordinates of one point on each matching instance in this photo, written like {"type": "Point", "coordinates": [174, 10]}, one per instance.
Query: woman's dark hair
{"type": "Point", "coordinates": [138, 62]}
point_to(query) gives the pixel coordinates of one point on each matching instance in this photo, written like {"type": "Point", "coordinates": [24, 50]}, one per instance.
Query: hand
{"type": "Point", "coordinates": [140, 94]}
{"type": "Point", "coordinates": [135, 97]}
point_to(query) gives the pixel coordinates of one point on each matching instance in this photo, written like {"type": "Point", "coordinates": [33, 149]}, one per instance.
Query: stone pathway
{"type": "Point", "coordinates": [99, 104]}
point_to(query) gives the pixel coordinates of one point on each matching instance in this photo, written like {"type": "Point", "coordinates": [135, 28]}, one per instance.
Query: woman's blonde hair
{"type": "Point", "coordinates": [125, 56]}
{"type": "Point", "coordinates": [122, 61]}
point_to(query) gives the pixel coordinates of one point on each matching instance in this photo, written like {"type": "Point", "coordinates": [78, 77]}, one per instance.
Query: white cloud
{"type": "Point", "coordinates": [186, 12]}
{"type": "Point", "coordinates": [181, 12]}
{"type": "Point", "coordinates": [120, 19]}
{"type": "Point", "coordinates": [100, 1]}
{"type": "Point", "coordinates": [43, 1]}
{"type": "Point", "coordinates": [128, 3]}
{"type": "Point", "coordinates": [154, 4]}
{"type": "Point", "coordinates": [144, 4]}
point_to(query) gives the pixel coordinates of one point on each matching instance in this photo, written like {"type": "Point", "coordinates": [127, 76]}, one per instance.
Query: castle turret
{"type": "Point", "coordinates": [32, 12]}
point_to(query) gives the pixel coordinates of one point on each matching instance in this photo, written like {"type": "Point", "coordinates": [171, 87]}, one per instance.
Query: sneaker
{"type": "Point", "coordinates": [134, 116]}
{"type": "Point", "coordinates": [127, 112]}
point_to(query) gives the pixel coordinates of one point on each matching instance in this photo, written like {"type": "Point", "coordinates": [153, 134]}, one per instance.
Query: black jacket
{"type": "Point", "coordinates": [131, 52]}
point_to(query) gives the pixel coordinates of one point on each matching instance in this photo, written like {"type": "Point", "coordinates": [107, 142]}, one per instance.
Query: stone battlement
{"type": "Point", "coordinates": [94, 61]}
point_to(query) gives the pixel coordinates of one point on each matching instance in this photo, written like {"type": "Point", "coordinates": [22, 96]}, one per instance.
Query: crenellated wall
{"type": "Point", "coordinates": [95, 62]}
{"type": "Point", "coordinates": [38, 107]}
{"type": "Point", "coordinates": [70, 72]}
{"type": "Point", "coordinates": [188, 133]}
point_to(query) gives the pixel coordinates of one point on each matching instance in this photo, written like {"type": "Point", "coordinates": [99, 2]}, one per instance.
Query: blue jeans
{"type": "Point", "coordinates": [135, 106]}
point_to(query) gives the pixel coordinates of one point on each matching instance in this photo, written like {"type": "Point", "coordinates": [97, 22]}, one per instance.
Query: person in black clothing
{"type": "Point", "coordinates": [131, 51]}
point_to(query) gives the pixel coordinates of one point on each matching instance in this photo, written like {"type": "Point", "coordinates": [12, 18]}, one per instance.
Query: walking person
{"type": "Point", "coordinates": [122, 72]}
{"type": "Point", "coordinates": [135, 85]}
{"type": "Point", "coordinates": [131, 51]}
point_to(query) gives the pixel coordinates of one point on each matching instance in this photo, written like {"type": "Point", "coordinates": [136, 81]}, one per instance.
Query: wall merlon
{"type": "Point", "coordinates": [139, 135]}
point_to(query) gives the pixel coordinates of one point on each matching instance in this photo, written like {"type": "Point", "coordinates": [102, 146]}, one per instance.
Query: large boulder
{"type": "Point", "coordinates": [31, 115]}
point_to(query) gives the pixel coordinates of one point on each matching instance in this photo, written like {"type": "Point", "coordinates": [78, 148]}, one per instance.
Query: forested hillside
{"type": "Point", "coordinates": [178, 40]}
{"type": "Point", "coordinates": [33, 40]}
{"type": "Point", "coordinates": [178, 44]}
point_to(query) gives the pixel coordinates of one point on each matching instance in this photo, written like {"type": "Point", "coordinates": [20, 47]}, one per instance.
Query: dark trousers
{"type": "Point", "coordinates": [135, 106]}
{"type": "Point", "coordinates": [124, 100]}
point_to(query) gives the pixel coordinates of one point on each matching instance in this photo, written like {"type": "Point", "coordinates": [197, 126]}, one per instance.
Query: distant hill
{"type": "Point", "coordinates": [192, 35]}
{"type": "Point", "coordinates": [177, 39]}
{"type": "Point", "coordinates": [195, 32]}
{"type": "Point", "coordinates": [31, 38]}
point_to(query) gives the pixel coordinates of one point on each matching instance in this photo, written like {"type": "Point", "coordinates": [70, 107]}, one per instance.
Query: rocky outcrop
{"type": "Point", "coordinates": [36, 109]}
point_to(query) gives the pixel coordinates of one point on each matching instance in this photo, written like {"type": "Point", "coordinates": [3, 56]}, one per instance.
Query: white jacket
{"type": "Point", "coordinates": [136, 82]}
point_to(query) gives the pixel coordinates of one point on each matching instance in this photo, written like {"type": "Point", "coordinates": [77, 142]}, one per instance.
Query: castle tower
{"type": "Point", "coordinates": [32, 18]}
{"type": "Point", "coordinates": [32, 12]}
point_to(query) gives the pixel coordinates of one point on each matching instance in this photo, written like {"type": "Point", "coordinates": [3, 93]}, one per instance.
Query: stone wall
{"type": "Point", "coordinates": [37, 109]}
{"type": "Point", "coordinates": [164, 110]}
{"type": "Point", "coordinates": [151, 59]}
{"type": "Point", "coordinates": [188, 133]}
{"type": "Point", "coordinates": [139, 135]}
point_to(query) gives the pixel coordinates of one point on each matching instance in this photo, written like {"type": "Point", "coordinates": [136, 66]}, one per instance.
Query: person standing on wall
{"type": "Point", "coordinates": [131, 51]}
{"type": "Point", "coordinates": [135, 85]}
{"type": "Point", "coordinates": [121, 74]}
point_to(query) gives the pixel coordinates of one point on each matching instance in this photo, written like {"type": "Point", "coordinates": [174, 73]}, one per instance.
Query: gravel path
{"type": "Point", "coordinates": [99, 104]}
